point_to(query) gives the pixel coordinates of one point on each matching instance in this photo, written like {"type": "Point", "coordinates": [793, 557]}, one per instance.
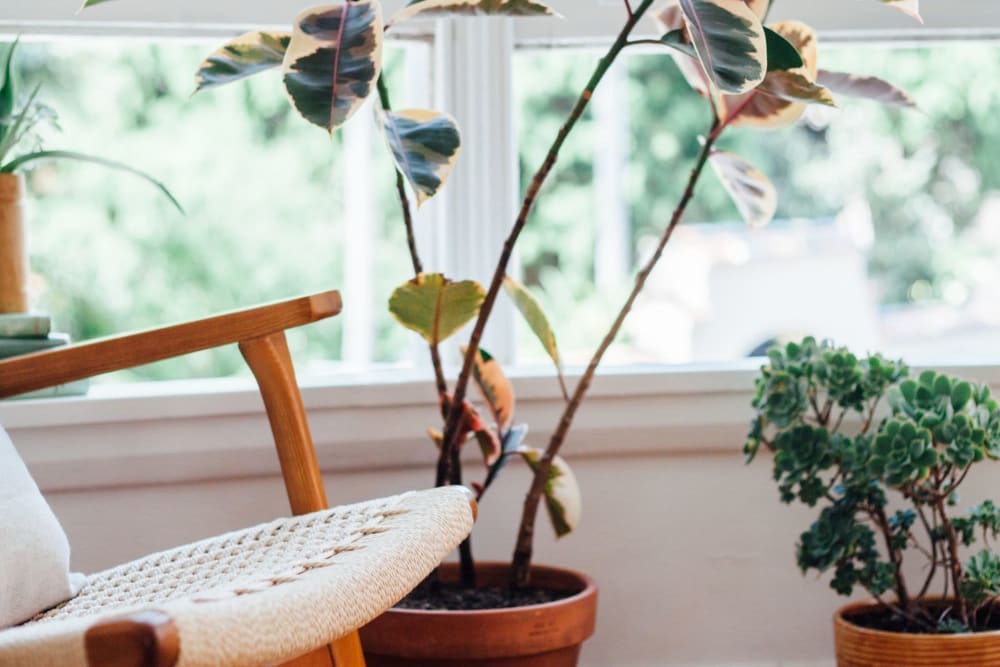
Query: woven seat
{"type": "Point", "coordinates": [292, 592]}
{"type": "Point", "coordinates": [267, 593]}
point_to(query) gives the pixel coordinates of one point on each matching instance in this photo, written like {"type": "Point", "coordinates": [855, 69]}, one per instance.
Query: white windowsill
{"type": "Point", "coordinates": [138, 434]}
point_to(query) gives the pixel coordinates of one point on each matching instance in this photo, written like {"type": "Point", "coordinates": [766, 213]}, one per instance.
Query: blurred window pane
{"type": "Point", "coordinates": [275, 208]}
{"type": "Point", "coordinates": [887, 229]}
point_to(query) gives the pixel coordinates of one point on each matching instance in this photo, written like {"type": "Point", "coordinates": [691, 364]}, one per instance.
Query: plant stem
{"type": "Point", "coordinates": [411, 242]}
{"type": "Point", "coordinates": [521, 565]}
{"type": "Point", "coordinates": [895, 555]}
{"type": "Point", "coordinates": [954, 562]}
{"type": "Point", "coordinates": [451, 429]}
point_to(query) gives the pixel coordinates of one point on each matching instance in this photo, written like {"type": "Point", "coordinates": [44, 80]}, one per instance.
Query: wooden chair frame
{"type": "Point", "coordinates": [149, 639]}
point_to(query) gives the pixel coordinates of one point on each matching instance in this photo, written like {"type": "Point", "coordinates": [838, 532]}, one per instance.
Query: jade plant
{"type": "Point", "coordinates": [748, 74]}
{"type": "Point", "coordinates": [882, 456]}
{"type": "Point", "coordinates": [20, 141]}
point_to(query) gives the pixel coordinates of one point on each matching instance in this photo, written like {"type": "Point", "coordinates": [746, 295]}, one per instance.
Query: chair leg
{"type": "Point", "coordinates": [271, 363]}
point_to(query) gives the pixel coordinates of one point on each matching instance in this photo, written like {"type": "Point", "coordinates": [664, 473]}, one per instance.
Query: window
{"type": "Point", "coordinates": [885, 236]}
{"type": "Point", "coordinates": [274, 208]}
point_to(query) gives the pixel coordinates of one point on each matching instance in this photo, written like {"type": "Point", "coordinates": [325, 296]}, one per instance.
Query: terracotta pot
{"type": "Point", "coordinates": [545, 635]}
{"type": "Point", "coordinates": [13, 246]}
{"type": "Point", "coordinates": [861, 647]}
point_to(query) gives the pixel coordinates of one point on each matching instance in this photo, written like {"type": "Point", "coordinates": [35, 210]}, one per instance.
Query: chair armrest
{"type": "Point", "coordinates": [30, 372]}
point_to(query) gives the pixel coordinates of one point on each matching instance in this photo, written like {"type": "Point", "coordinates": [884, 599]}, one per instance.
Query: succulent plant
{"type": "Point", "coordinates": [820, 412]}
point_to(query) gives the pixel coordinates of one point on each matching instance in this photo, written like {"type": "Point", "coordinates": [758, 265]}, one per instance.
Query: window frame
{"type": "Point", "coordinates": [721, 393]}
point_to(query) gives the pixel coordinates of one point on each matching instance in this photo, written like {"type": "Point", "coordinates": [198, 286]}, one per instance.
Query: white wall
{"type": "Point", "coordinates": [692, 550]}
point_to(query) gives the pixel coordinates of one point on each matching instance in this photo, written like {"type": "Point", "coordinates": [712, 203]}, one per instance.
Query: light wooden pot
{"type": "Point", "coordinates": [545, 635]}
{"type": "Point", "coordinates": [861, 647]}
{"type": "Point", "coordinates": [13, 246]}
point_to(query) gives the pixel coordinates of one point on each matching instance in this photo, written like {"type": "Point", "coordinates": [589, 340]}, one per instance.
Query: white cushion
{"type": "Point", "coordinates": [34, 552]}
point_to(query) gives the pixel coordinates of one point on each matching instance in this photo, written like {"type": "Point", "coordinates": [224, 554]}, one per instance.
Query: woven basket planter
{"type": "Point", "coordinates": [861, 647]}
{"type": "Point", "coordinates": [545, 635]}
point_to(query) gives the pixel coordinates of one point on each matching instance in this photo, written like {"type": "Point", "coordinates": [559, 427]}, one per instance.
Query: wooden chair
{"type": "Point", "coordinates": [376, 542]}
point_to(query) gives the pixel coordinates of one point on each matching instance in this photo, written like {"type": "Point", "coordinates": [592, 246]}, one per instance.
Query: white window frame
{"type": "Point", "coordinates": [374, 419]}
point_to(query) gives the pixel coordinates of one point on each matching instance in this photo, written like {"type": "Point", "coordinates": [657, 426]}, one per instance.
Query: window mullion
{"type": "Point", "coordinates": [474, 212]}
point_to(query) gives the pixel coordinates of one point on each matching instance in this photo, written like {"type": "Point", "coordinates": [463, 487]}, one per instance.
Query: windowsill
{"type": "Point", "coordinates": [175, 432]}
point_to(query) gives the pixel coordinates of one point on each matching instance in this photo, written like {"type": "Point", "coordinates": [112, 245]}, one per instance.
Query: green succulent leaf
{"type": "Point", "coordinates": [242, 57]}
{"type": "Point", "coordinates": [781, 54]}
{"type": "Point", "coordinates": [537, 321]}
{"type": "Point", "coordinates": [424, 145]}
{"type": "Point", "coordinates": [36, 156]}
{"type": "Point", "coordinates": [796, 87]}
{"type": "Point", "coordinates": [867, 87]}
{"type": "Point", "coordinates": [435, 307]}
{"type": "Point", "coordinates": [333, 61]}
{"type": "Point", "coordinates": [440, 8]}
{"type": "Point", "coordinates": [562, 492]}
{"type": "Point", "coordinates": [729, 40]}
{"type": "Point", "coordinates": [752, 192]}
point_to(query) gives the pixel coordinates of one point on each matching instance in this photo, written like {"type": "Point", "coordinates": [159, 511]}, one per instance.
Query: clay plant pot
{"type": "Point", "coordinates": [544, 635]}
{"type": "Point", "coordinates": [13, 246]}
{"type": "Point", "coordinates": [861, 647]}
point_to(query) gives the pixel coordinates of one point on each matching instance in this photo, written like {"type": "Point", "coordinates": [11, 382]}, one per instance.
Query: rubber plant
{"type": "Point", "coordinates": [748, 74]}
{"type": "Point", "coordinates": [20, 145]}
{"type": "Point", "coordinates": [817, 411]}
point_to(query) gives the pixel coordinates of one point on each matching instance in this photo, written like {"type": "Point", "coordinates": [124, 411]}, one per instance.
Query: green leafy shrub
{"type": "Point", "coordinates": [818, 413]}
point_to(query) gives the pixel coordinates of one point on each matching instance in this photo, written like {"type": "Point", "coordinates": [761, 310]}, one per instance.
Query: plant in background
{"type": "Point", "coordinates": [818, 413]}
{"type": "Point", "coordinates": [19, 133]}
{"type": "Point", "coordinates": [748, 74]}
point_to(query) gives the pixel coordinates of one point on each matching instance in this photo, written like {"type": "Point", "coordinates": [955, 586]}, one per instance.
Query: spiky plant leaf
{"type": "Point", "coordinates": [333, 61]}
{"type": "Point", "coordinates": [730, 42]}
{"type": "Point", "coordinates": [751, 191]}
{"type": "Point", "coordinates": [424, 145]}
{"type": "Point", "coordinates": [434, 306]}
{"type": "Point", "coordinates": [244, 56]}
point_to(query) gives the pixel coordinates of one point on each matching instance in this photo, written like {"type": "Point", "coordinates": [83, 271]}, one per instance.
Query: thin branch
{"type": "Point", "coordinates": [451, 430]}
{"type": "Point", "coordinates": [523, 549]}
{"type": "Point", "coordinates": [628, 9]}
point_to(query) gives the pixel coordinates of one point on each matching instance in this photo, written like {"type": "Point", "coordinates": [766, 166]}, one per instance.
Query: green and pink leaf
{"type": "Point", "coordinates": [752, 192]}
{"type": "Point", "coordinates": [562, 492]}
{"type": "Point", "coordinates": [868, 87]}
{"type": "Point", "coordinates": [729, 39]}
{"type": "Point", "coordinates": [424, 145]}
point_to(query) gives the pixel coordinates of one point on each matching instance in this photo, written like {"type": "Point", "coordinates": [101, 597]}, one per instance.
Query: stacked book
{"type": "Point", "coordinates": [24, 333]}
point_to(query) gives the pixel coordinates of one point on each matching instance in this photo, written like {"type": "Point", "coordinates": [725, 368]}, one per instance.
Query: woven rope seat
{"type": "Point", "coordinates": [267, 593]}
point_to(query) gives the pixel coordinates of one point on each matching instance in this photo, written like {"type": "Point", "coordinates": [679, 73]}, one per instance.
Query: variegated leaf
{"type": "Point", "coordinates": [911, 7]}
{"type": "Point", "coordinates": [333, 61]}
{"type": "Point", "coordinates": [424, 146]}
{"type": "Point", "coordinates": [537, 321]}
{"type": "Point", "coordinates": [489, 444]}
{"type": "Point", "coordinates": [671, 20]}
{"type": "Point", "coordinates": [759, 7]}
{"type": "Point", "coordinates": [757, 109]}
{"type": "Point", "coordinates": [729, 40]}
{"type": "Point", "coordinates": [796, 87]}
{"type": "Point", "coordinates": [868, 87]}
{"type": "Point", "coordinates": [440, 8]}
{"type": "Point", "coordinates": [494, 387]}
{"type": "Point", "coordinates": [562, 492]}
{"type": "Point", "coordinates": [435, 307]}
{"type": "Point", "coordinates": [781, 54]}
{"type": "Point", "coordinates": [751, 191]}
{"type": "Point", "coordinates": [244, 56]}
